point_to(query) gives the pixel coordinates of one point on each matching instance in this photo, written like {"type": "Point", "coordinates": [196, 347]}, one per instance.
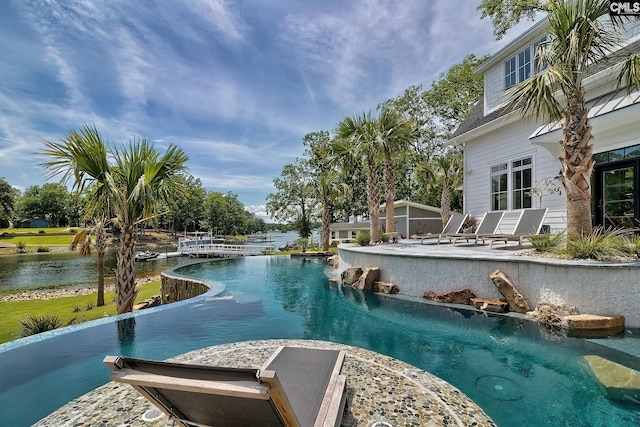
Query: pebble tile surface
{"type": "Point", "coordinates": [380, 391]}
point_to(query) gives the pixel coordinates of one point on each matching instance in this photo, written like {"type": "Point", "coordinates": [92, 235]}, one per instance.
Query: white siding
{"type": "Point", "coordinates": [493, 88]}
{"type": "Point", "coordinates": [507, 143]}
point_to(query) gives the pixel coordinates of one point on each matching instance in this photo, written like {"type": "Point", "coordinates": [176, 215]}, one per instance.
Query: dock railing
{"type": "Point", "coordinates": [224, 250]}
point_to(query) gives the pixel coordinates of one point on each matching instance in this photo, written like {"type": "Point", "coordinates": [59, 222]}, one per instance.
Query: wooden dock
{"type": "Point", "coordinates": [223, 251]}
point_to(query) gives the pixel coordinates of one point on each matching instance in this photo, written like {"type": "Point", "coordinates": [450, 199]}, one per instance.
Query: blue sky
{"type": "Point", "coordinates": [236, 84]}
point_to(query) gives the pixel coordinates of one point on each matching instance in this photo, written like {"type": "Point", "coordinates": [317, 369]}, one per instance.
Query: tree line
{"type": "Point", "coordinates": [193, 209]}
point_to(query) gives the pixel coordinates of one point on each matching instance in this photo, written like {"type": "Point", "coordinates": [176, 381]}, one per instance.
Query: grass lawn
{"type": "Point", "coordinates": [40, 240]}
{"type": "Point", "coordinates": [12, 311]}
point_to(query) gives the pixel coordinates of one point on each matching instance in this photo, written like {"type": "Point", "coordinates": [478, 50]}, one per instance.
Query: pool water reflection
{"type": "Point", "coordinates": [504, 364]}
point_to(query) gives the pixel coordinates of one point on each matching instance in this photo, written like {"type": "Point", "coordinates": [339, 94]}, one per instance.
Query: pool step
{"type": "Point", "coordinates": [614, 380]}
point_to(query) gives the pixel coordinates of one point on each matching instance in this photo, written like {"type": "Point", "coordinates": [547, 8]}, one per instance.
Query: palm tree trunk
{"type": "Point", "coordinates": [326, 220]}
{"type": "Point", "coordinates": [125, 273]}
{"type": "Point", "coordinates": [101, 245]}
{"type": "Point", "coordinates": [373, 202]}
{"type": "Point", "coordinates": [577, 166]}
{"type": "Point", "coordinates": [390, 190]}
{"type": "Point", "coordinates": [445, 203]}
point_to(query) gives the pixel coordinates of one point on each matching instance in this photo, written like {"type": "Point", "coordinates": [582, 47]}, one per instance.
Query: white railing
{"type": "Point", "coordinates": [220, 249]}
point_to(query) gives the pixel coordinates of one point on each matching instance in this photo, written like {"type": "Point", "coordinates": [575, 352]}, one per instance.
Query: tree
{"type": "Point", "coordinates": [8, 196]}
{"type": "Point", "coordinates": [51, 201]}
{"type": "Point", "coordinates": [82, 241]}
{"type": "Point", "coordinates": [581, 33]}
{"type": "Point", "coordinates": [395, 133]}
{"type": "Point", "coordinates": [360, 135]}
{"type": "Point", "coordinates": [130, 181]}
{"type": "Point", "coordinates": [445, 171]}
{"type": "Point", "coordinates": [507, 13]}
{"type": "Point", "coordinates": [186, 209]}
{"type": "Point", "coordinates": [294, 199]}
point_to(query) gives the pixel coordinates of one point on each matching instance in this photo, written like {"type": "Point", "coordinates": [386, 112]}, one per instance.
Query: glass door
{"type": "Point", "coordinates": [618, 195]}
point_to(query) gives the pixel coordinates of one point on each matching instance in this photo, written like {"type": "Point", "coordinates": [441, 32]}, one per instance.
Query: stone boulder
{"type": "Point", "coordinates": [351, 275]}
{"type": "Point", "coordinates": [549, 316]}
{"type": "Point", "coordinates": [462, 296]}
{"type": "Point", "coordinates": [333, 260]}
{"type": "Point", "coordinates": [517, 303]}
{"type": "Point", "coordinates": [386, 288]}
{"type": "Point", "coordinates": [367, 279]}
{"type": "Point", "coordinates": [491, 305]}
{"type": "Point", "coordinates": [591, 325]}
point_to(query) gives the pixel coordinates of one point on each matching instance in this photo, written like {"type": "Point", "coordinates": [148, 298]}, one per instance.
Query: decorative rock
{"type": "Point", "coordinates": [517, 303]}
{"type": "Point", "coordinates": [351, 275]}
{"type": "Point", "coordinates": [614, 380]}
{"type": "Point", "coordinates": [549, 316]}
{"type": "Point", "coordinates": [384, 287]}
{"type": "Point", "coordinates": [367, 279]}
{"type": "Point", "coordinates": [491, 305]}
{"type": "Point", "coordinates": [590, 325]}
{"type": "Point", "coordinates": [333, 260]}
{"type": "Point", "coordinates": [462, 296]}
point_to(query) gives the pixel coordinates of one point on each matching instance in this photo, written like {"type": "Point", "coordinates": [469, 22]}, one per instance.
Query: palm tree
{"type": "Point", "coordinates": [395, 134]}
{"type": "Point", "coordinates": [329, 189]}
{"type": "Point", "coordinates": [362, 133]}
{"type": "Point", "coordinates": [444, 170]}
{"type": "Point", "coordinates": [82, 241]}
{"type": "Point", "coordinates": [131, 187]}
{"type": "Point", "coordinates": [580, 33]}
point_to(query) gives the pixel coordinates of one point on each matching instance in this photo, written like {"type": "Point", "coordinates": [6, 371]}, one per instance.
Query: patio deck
{"type": "Point", "coordinates": [381, 391]}
{"type": "Point", "coordinates": [594, 287]}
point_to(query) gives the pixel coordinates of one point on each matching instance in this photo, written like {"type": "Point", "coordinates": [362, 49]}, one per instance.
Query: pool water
{"type": "Point", "coordinates": [504, 364]}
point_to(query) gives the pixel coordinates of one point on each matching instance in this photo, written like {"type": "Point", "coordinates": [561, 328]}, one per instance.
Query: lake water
{"type": "Point", "coordinates": [55, 268]}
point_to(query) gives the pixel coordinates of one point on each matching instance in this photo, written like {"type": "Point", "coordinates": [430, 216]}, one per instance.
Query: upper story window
{"type": "Point", "coordinates": [519, 67]}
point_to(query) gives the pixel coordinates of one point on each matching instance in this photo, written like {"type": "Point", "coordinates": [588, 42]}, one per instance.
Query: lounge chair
{"type": "Point", "coordinates": [487, 227]}
{"type": "Point", "coordinates": [454, 225]}
{"type": "Point", "coordinates": [296, 387]}
{"type": "Point", "coordinates": [529, 223]}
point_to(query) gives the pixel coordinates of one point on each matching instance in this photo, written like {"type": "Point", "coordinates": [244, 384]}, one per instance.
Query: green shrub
{"type": "Point", "coordinates": [384, 237]}
{"type": "Point", "coordinates": [21, 247]}
{"type": "Point", "coordinates": [41, 232]}
{"type": "Point", "coordinates": [34, 324]}
{"type": "Point", "coordinates": [42, 249]}
{"type": "Point", "coordinates": [547, 242]}
{"type": "Point", "coordinates": [600, 245]}
{"type": "Point", "coordinates": [72, 231]}
{"type": "Point", "coordinates": [363, 238]}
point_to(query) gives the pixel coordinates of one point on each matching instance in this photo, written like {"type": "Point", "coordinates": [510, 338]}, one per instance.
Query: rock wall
{"type": "Point", "coordinates": [179, 288]}
{"type": "Point", "coordinates": [593, 287]}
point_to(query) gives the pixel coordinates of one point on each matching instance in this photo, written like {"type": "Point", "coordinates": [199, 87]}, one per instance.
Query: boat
{"type": "Point", "coordinates": [146, 255]}
{"type": "Point", "coordinates": [199, 239]}
{"type": "Point", "coordinates": [259, 238]}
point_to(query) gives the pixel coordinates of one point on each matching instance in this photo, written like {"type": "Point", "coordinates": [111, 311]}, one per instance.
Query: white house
{"type": "Point", "coordinates": [506, 157]}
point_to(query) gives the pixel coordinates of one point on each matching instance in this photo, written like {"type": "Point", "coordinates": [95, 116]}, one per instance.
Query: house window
{"type": "Point", "coordinates": [518, 68]}
{"type": "Point", "coordinates": [510, 72]}
{"type": "Point", "coordinates": [499, 187]}
{"type": "Point", "coordinates": [537, 63]}
{"type": "Point", "coordinates": [521, 183]}
{"type": "Point", "coordinates": [524, 65]}
{"type": "Point", "coordinates": [511, 185]}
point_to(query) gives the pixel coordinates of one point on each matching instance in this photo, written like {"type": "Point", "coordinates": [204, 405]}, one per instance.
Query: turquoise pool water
{"type": "Point", "coordinates": [504, 364]}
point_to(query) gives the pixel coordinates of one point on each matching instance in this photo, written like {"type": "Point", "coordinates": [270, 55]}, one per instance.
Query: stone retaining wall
{"type": "Point", "coordinates": [175, 288]}
{"type": "Point", "coordinates": [593, 287]}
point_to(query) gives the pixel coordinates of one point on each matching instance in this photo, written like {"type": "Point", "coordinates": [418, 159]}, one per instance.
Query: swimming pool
{"type": "Point", "coordinates": [502, 363]}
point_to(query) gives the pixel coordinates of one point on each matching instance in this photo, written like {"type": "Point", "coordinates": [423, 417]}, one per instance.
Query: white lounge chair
{"type": "Point", "coordinates": [487, 227]}
{"type": "Point", "coordinates": [297, 387]}
{"type": "Point", "coordinates": [529, 223]}
{"type": "Point", "coordinates": [454, 225]}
